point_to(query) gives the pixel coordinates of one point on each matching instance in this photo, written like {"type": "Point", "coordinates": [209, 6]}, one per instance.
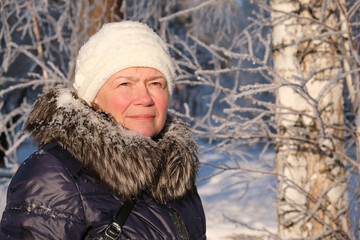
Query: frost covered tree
{"type": "Point", "coordinates": [271, 87]}
{"type": "Point", "coordinates": [312, 193]}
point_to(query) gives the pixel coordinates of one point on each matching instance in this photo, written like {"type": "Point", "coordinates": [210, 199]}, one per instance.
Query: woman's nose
{"type": "Point", "coordinates": [143, 96]}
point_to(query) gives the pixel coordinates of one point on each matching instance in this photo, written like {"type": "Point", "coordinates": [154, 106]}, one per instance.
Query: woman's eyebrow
{"type": "Point", "coordinates": [130, 78]}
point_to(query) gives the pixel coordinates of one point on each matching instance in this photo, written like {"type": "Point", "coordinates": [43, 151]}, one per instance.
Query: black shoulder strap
{"type": "Point", "coordinates": [114, 230]}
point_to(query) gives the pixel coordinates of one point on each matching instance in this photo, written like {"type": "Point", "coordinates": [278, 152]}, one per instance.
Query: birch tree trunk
{"type": "Point", "coordinates": [312, 189]}
{"type": "Point", "coordinates": [105, 11]}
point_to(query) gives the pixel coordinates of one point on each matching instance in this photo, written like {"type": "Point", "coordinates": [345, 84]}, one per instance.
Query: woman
{"type": "Point", "coordinates": [106, 146]}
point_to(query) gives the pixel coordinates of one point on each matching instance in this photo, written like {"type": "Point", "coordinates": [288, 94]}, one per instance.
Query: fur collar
{"type": "Point", "coordinates": [125, 161]}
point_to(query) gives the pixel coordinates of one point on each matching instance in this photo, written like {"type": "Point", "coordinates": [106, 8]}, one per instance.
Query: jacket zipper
{"type": "Point", "coordinates": [178, 223]}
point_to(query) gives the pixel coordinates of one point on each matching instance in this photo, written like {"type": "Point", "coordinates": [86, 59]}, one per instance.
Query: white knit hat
{"type": "Point", "coordinates": [117, 46]}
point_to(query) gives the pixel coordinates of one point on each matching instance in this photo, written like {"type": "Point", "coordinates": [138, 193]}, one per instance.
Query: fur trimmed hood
{"type": "Point", "coordinates": [124, 161]}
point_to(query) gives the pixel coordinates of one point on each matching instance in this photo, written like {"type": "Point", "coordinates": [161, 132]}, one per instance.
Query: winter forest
{"type": "Point", "coordinates": [270, 89]}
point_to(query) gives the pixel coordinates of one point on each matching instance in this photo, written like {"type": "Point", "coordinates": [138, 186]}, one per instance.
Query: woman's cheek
{"type": "Point", "coordinates": [163, 102]}
{"type": "Point", "coordinates": [116, 107]}
{"type": "Point", "coordinates": [120, 101]}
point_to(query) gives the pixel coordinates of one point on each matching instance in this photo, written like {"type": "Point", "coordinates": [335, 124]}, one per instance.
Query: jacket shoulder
{"type": "Point", "coordinates": [46, 181]}
{"type": "Point", "coordinates": [48, 163]}
{"type": "Point", "coordinates": [42, 193]}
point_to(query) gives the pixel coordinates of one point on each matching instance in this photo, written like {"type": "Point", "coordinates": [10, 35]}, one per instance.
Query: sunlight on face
{"type": "Point", "coordinates": [137, 98]}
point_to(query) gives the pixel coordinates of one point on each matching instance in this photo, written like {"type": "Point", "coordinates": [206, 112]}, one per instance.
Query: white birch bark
{"type": "Point", "coordinates": [312, 195]}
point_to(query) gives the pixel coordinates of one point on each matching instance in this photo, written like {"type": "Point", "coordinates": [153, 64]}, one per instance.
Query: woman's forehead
{"type": "Point", "coordinates": [137, 73]}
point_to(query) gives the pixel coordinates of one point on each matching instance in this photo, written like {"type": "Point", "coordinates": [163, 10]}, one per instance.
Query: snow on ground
{"type": "Point", "coordinates": [233, 208]}
{"type": "Point", "coordinates": [230, 205]}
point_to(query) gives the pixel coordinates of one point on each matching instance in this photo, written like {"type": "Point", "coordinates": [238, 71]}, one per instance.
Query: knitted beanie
{"type": "Point", "coordinates": [117, 46]}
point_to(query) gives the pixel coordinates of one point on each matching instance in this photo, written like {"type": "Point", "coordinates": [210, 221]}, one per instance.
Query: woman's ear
{"type": "Point", "coordinates": [95, 106]}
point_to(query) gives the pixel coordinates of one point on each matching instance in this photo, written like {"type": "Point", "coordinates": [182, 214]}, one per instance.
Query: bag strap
{"type": "Point", "coordinates": [114, 230]}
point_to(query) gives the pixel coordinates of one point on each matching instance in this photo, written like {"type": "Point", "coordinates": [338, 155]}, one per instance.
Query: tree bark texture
{"type": "Point", "coordinates": [312, 183]}
{"type": "Point", "coordinates": [95, 13]}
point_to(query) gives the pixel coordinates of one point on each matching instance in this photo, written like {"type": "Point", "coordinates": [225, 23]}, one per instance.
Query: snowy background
{"type": "Point", "coordinates": [226, 90]}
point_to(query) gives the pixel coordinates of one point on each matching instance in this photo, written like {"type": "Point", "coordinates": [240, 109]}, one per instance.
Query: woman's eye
{"type": "Point", "coordinates": [124, 84]}
{"type": "Point", "coordinates": [157, 84]}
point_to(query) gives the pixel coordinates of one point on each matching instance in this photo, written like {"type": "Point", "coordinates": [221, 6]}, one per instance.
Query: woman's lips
{"type": "Point", "coordinates": [143, 117]}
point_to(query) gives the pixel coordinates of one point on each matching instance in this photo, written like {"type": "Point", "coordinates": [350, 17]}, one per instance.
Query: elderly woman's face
{"type": "Point", "coordinates": [137, 98]}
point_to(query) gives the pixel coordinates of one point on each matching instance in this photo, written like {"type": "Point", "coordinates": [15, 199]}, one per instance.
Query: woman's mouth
{"type": "Point", "coordinates": [143, 117]}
